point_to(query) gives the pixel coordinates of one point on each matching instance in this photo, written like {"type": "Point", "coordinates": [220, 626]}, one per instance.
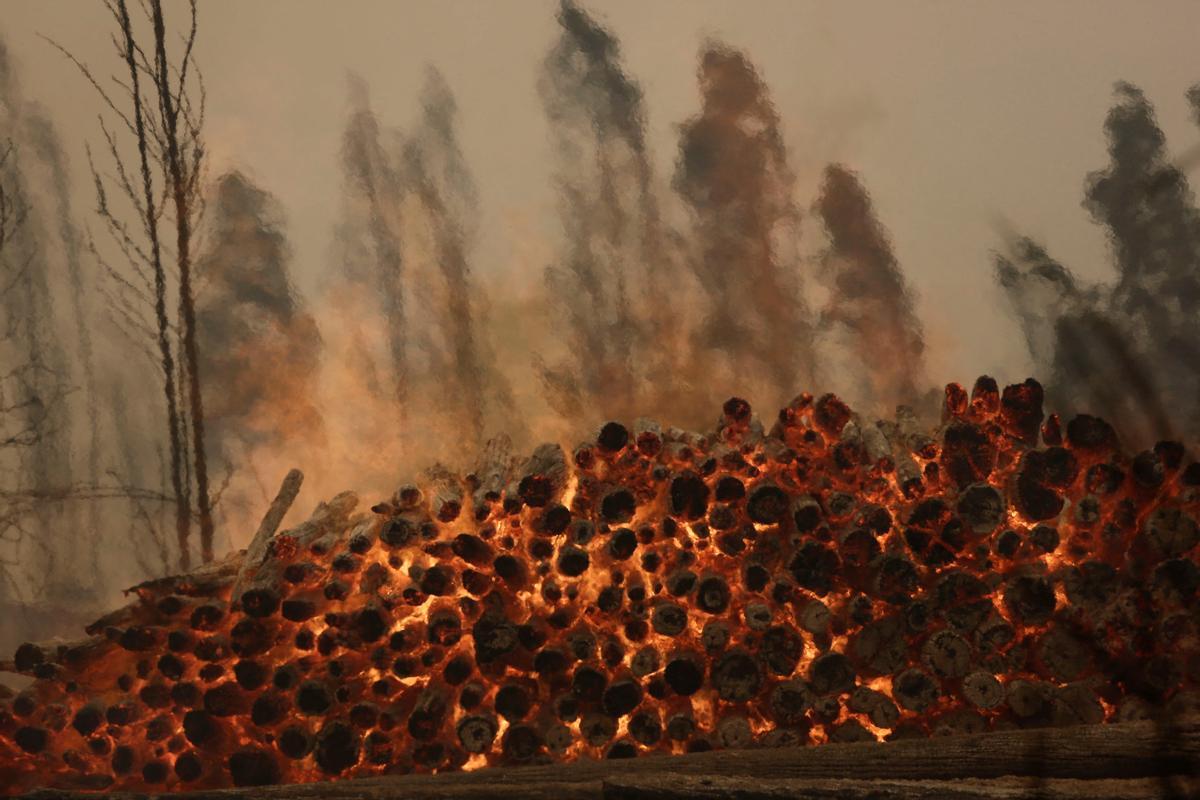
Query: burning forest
{"type": "Point", "coordinates": [576, 530]}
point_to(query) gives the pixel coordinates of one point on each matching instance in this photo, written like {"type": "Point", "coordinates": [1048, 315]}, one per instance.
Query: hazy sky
{"type": "Point", "coordinates": [957, 114]}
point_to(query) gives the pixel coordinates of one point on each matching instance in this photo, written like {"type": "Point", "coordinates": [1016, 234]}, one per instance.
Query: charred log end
{"type": "Point", "coordinates": [613, 437]}
{"type": "Point", "coordinates": [831, 415]}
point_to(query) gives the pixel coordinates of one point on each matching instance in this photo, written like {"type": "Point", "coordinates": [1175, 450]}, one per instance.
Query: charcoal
{"type": "Point", "coordinates": [1030, 598]}
{"type": "Point", "coordinates": [685, 677]}
{"type": "Point", "coordinates": [831, 673]}
{"type": "Point", "coordinates": [878, 707]}
{"type": "Point", "coordinates": [737, 676]}
{"type": "Point", "coordinates": [253, 767]}
{"type": "Point", "coordinates": [621, 698]}
{"type": "Point", "coordinates": [512, 703]}
{"type": "Point", "coordinates": [680, 727]}
{"type": "Point", "coordinates": [914, 690]}
{"type": "Point", "coordinates": [337, 748]}
{"type": "Point", "coordinates": [689, 496]}
{"type": "Point", "coordinates": [983, 690]}
{"type": "Point", "coordinates": [669, 619]}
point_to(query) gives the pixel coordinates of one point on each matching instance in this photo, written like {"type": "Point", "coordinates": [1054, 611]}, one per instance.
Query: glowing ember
{"type": "Point", "coordinates": [659, 591]}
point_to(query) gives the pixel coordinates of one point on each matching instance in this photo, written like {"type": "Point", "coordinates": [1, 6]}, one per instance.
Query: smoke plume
{"type": "Point", "coordinates": [612, 284]}
{"type": "Point", "coordinates": [870, 302]}
{"type": "Point", "coordinates": [259, 348]}
{"type": "Point", "coordinates": [733, 174]}
{"type": "Point", "coordinates": [442, 197]}
{"type": "Point", "coordinates": [373, 194]}
{"type": "Point", "coordinates": [1116, 349]}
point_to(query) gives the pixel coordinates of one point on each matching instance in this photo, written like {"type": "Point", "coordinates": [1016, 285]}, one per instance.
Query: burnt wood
{"type": "Point", "coordinates": [1097, 762]}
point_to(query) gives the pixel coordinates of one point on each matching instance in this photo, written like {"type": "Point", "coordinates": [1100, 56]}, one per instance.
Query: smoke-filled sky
{"type": "Point", "coordinates": [962, 118]}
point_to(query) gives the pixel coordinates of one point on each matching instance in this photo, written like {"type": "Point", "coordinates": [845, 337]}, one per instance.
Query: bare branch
{"type": "Point", "coordinates": [87, 73]}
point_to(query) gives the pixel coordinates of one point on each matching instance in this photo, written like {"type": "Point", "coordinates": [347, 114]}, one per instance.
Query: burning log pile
{"type": "Point", "coordinates": [654, 591]}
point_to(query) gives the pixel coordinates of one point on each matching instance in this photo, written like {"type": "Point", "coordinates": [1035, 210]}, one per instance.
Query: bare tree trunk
{"type": "Point", "coordinates": [182, 511]}
{"type": "Point", "coordinates": [180, 192]}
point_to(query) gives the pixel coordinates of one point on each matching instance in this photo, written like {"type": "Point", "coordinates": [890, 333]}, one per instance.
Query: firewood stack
{"type": "Point", "coordinates": [654, 591]}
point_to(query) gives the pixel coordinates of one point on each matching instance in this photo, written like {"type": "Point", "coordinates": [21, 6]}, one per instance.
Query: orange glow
{"type": "Point", "coordinates": [724, 590]}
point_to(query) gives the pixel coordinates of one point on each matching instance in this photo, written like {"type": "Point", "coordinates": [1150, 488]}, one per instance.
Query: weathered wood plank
{"type": "Point", "coordinates": [672, 787]}
{"type": "Point", "coordinates": [1138, 759]}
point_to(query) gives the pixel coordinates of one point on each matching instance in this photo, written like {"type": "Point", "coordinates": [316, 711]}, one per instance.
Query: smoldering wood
{"type": "Point", "coordinates": [445, 493]}
{"type": "Point", "coordinates": [908, 474]}
{"type": "Point", "coordinates": [265, 571]}
{"type": "Point", "coordinates": [542, 478]}
{"type": "Point", "coordinates": [74, 652]}
{"type": "Point", "coordinates": [647, 435]}
{"type": "Point", "coordinates": [948, 656]}
{"type": "Point", "coordinates": [983, 690]}
{"type": "Point", "coordinates": [238, 571]}
{"type": "Point", "coordinates": [876, 444]}
{"type": "Point", "coordinates": [256, 552]}
{"type": "Point", "coordinates": [408, 497]}
{"type": "Point", "coordinates": [492, 470]}
{"type": "Point", "coordinates": [1116, 761]}
{"type": "Point", "coordinates": [207, 580]}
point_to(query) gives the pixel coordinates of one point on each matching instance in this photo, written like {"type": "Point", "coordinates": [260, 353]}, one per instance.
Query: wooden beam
{"type": "Point", "coordinates": [1137, 759]}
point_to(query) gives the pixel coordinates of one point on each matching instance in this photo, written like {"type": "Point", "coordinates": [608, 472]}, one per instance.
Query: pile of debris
{"type": "Point", "coordinates": [654, 591]}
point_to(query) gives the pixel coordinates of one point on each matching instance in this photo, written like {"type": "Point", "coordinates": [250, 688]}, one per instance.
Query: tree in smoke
{"type": "Point", "coordinates": [35, 372]}
{"type": "Point", "coordinates": [613, 284]}
{"type": "Point", "coordinates": [161, 110]}
{"type": "Point", "coordinates": [180, 125]}
{"type": "Point", "coordinates": [1145, 202]}
{"type": "Point", "coordinates": [733, 174]}
{"type": "Point", "coordinates": [1073, 336]}
{"type": "Point", "coordinates": [46, 146]}
{"type": "Point", "coordinates": [374, 192]}
{"type": "Point", "coordinates": [411, 316]}
{"type": "Point", "coordinates": [1126, 351]}
{"type": "Point", "coordinates": [1041, 291]}
{"type": "Point", "coordinates": [869, 299]}
{"type": "Point", "coordinates": [443, 195]}
{"type": "Point", "coordinates": [22, 410]}
{"type": "Point", "coordinates": [259, 349]}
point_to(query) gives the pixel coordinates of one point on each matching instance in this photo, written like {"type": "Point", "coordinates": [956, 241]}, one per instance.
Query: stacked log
{"type": "Point", "coordinates": [657, 592]}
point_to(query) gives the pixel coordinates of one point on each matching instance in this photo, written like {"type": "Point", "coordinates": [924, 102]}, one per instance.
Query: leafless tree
{"type": "Point", "coordinates": [159, 103]}
{"type": "Point", "coordinates": [18, 428]}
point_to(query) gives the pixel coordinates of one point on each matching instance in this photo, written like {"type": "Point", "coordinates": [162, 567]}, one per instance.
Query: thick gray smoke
{"type": "Point", "coordinates": [1078, 343]}
{"type": "Point", "coordinates": [734, 176]}
{"type": "Point", "coordinates": [870, 302]}
{"type": "Point", "coordinates": [259, 347]}
{"type": "Point", "coordinates": [1126, 351]}
{"type": "Point", "coordinates": [612, 284]}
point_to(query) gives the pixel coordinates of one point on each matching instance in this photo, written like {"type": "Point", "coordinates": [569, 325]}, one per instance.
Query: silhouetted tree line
{"type": "Point", "coordinates": [1126, 349]}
